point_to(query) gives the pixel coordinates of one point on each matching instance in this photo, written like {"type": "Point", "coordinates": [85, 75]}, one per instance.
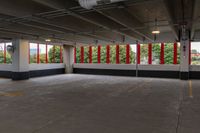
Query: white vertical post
{"type": "Point", "coordinates": [184, 66]}
{"type": "Point", "coordinates": [20, 61]}
{"type": "Point", "coordinates": [68, 58]}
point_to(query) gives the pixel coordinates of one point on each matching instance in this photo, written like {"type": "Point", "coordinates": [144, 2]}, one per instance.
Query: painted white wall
{"type": "Point", "coordinates": [129, 67]}
{"type": "Point", "coordinates": [45, 66]}
{"type": "Point", "coordinates": [5, 67]}
{"type": "Point", "coordinates": [106, 66]}
{"type": "Point", "coordinates": [20, 56]}
{"type": "Point", "coordinates": [184, 55]}
{"type": "Point", "coordinates": [159, 67]}
{"type": "Point", "coordinates": [194, 68]}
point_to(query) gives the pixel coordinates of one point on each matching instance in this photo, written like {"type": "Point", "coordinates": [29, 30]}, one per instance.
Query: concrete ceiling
{"type": "Point", "coordinates": [125, 22]}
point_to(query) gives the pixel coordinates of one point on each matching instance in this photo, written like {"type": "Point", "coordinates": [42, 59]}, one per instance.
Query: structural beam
{"type": "Point", "coordinates": [124, 18]}
{"type": "Point", "coordinates": [196, 14]}
{"type": "Point", "coordinates": [171, 17]}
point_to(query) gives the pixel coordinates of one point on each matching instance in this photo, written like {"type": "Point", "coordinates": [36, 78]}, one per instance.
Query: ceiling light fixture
{"type": "Point", "coordinates": [156, 29]}
{"type": "Point", "coordinates": [48, 40]}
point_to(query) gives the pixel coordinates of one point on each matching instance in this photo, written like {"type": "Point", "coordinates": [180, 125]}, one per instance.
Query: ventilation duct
{"type": "Point", "coordinates": [89, 4]}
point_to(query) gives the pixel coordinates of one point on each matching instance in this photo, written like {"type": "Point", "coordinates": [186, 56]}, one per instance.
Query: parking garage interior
{"type": "Point", "coordinates": [101, 66]}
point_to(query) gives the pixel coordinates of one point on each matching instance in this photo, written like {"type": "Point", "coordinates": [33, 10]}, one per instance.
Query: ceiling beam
{"type": "Point", "coordinates": [24, 33]}
{"type": "Point", "coordinates": [92, 21]}
{"type": "Point", "coordinates": [171, 17]}
{"type": "Point", "coordinates": [51, 3]}
{"type": "Point", "coordinates": [55, 4]}
{"type": "Point", "coordinates": [122, 17]}
{"type": "Point", "coordinates": [104, 23]}
{"type": "Point", "coordinates": [196, 14]}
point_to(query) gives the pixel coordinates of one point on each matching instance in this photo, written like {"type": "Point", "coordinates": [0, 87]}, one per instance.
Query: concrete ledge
{"type": "Point", "coordinates": [195, 68]}
{"type": "Point", "coordinates": [46, 72]}
{"type": "Point", "coordinates": [6, 67]}
{"type": "Point", "coordinates": [106, 66]}
{"type": "Point", "coordinates": [141, 73]}
{"type": "Point", "coordinates": [129, 67]}
{"type": "Point", "coordinates": [33, 67]}
{"type": "Point", "coordinates": [30, 74]}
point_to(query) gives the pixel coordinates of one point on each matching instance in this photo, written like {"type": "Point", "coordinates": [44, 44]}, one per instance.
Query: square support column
{"type": "Point", "coordinates": [68, 58]}
{"type": "Point", "coordinates": [20, 59]}
{"type": "Point", "coordinates": [184, 66]}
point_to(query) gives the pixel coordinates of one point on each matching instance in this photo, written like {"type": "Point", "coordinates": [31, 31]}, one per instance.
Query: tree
{"type": "Point", "coordinates": [104, 54]}
{"type": "Point", "coordinates": [156, 53]}
{"type": "Point", "coordinates": [42, 58]}
{"type": "Point", "coordinates": [168, 53]}
{"type": "Point", "coordinates": [8, 58]}
{"type": "Point", "coordinates": [54, 54]}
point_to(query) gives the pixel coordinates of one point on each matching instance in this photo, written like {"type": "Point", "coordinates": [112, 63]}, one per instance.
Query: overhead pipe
{"type": "Point", "coordinates": [89, 4]}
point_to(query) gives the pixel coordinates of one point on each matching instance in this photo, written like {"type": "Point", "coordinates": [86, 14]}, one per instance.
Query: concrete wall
{"type": "Point", "coordinates": [34, 67]}
{"type": "Point", "coordinates": [162, 71]}
{"type": "Point", "coordinates": [6, 67]}
{"type": "Point", "coordinates": [129, 67]}
{"type": "Point", "coordinates": [35, 70]}
{"type": "Point", "coordinates": [195, 68]}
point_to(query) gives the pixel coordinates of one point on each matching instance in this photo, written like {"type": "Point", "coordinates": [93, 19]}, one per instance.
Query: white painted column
{"type": "Point", "coordinates": [68, 58]}
{"type": "Point", "coordinates": [20, 69]}
{"type": "Point", "coordinates": [184, 66]}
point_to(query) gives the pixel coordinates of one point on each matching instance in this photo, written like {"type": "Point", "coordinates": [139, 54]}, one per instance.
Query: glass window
{"type": "Point", "coordinates": [195, 53]}
{"type": "Point", "coordinates": [143, 53]}
{"type": "Point", "coordinates": [33, 53]}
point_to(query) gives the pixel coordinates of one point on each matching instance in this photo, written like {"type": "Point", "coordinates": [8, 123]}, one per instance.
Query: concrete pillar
{"type": "Point", "coordinates": [68, 56]}
{"type": "Point", "coordinates": [20, 70]}
{"type": "Point", "coordinates": [184, 66]}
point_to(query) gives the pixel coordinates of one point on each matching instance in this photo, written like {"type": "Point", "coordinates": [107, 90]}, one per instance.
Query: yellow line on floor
{"type": "Point", "coordinates": [190, 89]}
{"type": "Point", "coordinates": [12, 94]}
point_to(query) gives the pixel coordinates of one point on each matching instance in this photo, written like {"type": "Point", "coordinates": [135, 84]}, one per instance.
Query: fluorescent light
{"type": "Point", "coordinates": [156, 29]}
{"type": "Point", "coordinates": [155, 32]}
{"type": "Point", "coordinates": [48, 40]}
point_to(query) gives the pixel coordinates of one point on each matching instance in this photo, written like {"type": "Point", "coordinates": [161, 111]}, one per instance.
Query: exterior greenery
{"type": "Point", "coordinates": [169, 48]}
{"type": "Point", "coordinates": [195, 59]}
{"type": "Point", "coordinates": [8, 58]}
{"type": "Point", "coordinates": [103, 54]}
{"type": "Point", "coordinates": [33, 57]}
{"type": "Point", "coordinates": [56, 55]}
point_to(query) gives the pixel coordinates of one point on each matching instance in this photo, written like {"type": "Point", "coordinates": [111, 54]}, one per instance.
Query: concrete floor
{"type": "Point", "coordinates": [99, 104]}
